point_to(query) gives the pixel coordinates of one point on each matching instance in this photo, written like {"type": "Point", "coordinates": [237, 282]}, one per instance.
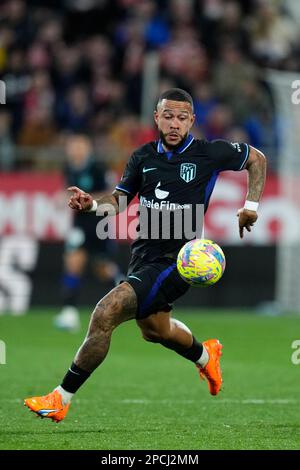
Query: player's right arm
{"type": "Point", "coordinates": [117, 201]}
{"type": "Point", "coordinates": [111, 204]}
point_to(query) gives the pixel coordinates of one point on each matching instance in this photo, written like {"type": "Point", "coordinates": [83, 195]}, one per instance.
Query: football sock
{"type": "Point", "coordinates": [204, 358]}
{"type": "Point", "coordinates": [70, 288]}
{"type": "Point", "coordinates": [193, 353]}
{"type": "Point", "coordinates": [65, 396]}
{"type": "Point", "coordinates": [74, 378]}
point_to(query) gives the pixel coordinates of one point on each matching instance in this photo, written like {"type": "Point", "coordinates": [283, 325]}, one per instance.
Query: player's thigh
{"type": "Point", "coordinates": [157, 285]}
{"type": "Point", "coordinates": [157, 325]}
{"type": "Point", "coordinates": [116, 307]}
{"type": "Point", "coordinates": [75, 260]}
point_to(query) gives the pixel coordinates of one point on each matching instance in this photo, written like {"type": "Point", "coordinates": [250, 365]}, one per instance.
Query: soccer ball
{"type": "Point", "coordinates": [201, 263]}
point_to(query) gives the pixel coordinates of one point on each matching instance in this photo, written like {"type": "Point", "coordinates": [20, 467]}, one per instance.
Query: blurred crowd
{"type": "Point", "coordinates": [76, 66]}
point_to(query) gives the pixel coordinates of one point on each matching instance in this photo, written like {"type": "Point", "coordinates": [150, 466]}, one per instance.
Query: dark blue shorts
{"type": "Point", "coordinates": [157, 284]}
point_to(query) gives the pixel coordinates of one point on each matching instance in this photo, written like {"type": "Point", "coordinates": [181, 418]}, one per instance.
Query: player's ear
{"type": "Point", "coordinates": [155, 116]}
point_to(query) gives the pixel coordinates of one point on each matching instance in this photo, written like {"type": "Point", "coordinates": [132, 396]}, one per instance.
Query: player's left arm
{"type": "Point", "coordinates": [256, 166]}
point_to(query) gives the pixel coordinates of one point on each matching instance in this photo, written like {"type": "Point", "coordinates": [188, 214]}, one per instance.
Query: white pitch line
{"type": "Point", "coordinates": [219, 401]}
{"type": "Point", "coordinates": [248, 401]}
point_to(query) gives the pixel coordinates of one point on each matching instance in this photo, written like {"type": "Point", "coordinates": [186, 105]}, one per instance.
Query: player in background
{"type": "Point", "coordinates": [82, 245]}
{"type": "Point", "coordinates": [179, 170]}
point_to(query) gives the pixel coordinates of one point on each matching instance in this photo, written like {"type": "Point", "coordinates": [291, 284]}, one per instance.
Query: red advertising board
{"type": "Point", "coordinates": [35, 204]}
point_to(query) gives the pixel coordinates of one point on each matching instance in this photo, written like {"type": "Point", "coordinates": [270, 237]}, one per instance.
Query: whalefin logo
{"type": "Point", "coordinates": [159, 193]}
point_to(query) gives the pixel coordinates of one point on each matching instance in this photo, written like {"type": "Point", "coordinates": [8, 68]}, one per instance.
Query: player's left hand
{"type": "Point", "coordinates": [246, 220]}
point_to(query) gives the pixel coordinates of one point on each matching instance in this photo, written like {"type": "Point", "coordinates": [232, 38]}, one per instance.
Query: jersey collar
{"type": "Point", "coordinates": [187, 142]}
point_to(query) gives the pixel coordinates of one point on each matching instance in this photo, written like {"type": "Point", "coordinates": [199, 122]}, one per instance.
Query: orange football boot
{"type": "Point", "coordinates": [48, 406]}
{"type": "Point", "coordinates": [212, 371]}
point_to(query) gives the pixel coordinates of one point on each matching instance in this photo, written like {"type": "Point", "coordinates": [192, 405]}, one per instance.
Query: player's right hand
{"type": "Point", "coordinates": [80, 201]}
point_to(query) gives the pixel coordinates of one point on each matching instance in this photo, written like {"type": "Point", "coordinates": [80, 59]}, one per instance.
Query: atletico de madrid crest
{"type": "Point", "coordinates": [188, 171]}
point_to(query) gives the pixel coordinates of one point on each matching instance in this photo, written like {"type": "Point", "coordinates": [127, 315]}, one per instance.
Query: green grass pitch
{"type": "Point", "coordinates": [146, 397]}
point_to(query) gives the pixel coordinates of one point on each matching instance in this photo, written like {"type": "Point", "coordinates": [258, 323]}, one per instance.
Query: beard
{"type": "Point", "coordinates": [170, 146]}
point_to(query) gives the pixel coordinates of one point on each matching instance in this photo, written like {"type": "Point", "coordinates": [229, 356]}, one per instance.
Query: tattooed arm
{"type": "Point", "coordinates": [110, 204]}
{"type": "Point", "coordinates": [114, 203]}
{"type": "Point", "coordinates": [256, 167]}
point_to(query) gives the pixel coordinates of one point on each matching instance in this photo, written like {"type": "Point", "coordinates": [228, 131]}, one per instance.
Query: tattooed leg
{"type": "Point", "coordinates": [118, 306]}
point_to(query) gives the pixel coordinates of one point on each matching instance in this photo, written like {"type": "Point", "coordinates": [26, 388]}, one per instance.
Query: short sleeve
{"type": "Point", "coordinates": [130, 180]}
{"type": "Point", "coordinates": [229, 155]}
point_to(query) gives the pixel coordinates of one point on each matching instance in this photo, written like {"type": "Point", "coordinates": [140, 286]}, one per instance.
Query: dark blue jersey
{"type": "Point", "coordinates": [174, 180]}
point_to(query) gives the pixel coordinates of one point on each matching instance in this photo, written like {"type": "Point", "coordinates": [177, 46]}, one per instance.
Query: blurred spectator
{"type": "Point", "coordinates": [61, 73]}
{"type": "Point", "coordinates": [204, 102]}
{"type": "Point", "coordinates": [184, 59]}
{"type": "Point", "coordinates": [157, 31]}
{"type": "Point", "coordinates": [38, 56]}
{"type": "Point", "coordinates": [253, 100]}
{"type": "Point", "coordinates": [230, 27]}
{"type": "Point", "coordinates": [17, 80]}
{"type": "Point", "coordinates": [50, 32]}
{"type": "Point", "coordinates": [7, 148]}
{"type": "Point", "coordinates": [219, 122]}
{"type": "Point", "coordinates": [181, 12]}
{"type": "Point", "coordinates": [75, 111]}
{"type": "Point", "coordinates": [68, 69]}
{"type": "Point", "coordinates": [40, 94]}
{"type": "Point", "coordinates": [19, 21]}
{"type": "Point", "coordinates": [272, 34]}
{"type": "Point", "coordinates": [146, 20]}
{"type": "Point", "coordinates": [7, 38]}
{"type": "Point", "coordinates": [128, 133]}
{"type": "Point", "coordinates": [38, 129]}
{"type": "Point", "coordinates": [230, 72]}
{"type": "Point", "coordinates": [237, 134]}
{"type": "Point", "coordinates": [82, 170]}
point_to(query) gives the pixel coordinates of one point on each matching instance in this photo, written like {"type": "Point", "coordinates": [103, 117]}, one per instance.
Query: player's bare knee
{"type": "Point", "coordinates": [106, 315]}
{"type": "Point", "coordinates": [114, 308]}
{"type": "Point", "coordinates": [102, 318]}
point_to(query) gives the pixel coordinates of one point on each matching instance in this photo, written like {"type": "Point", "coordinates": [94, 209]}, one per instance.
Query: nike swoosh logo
{"type": "Point", "coordinates": [46, 412]}
{"type": "Point", "coordinates": [135, 277]}
{"type": "Point", "coordinates": [145, 170]}
{"type": "Point", "coordinates": [76, 373]}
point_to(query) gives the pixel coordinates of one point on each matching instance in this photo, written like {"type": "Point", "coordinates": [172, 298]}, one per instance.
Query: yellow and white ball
{"type": "Point", "coordinates": [201, 263]}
